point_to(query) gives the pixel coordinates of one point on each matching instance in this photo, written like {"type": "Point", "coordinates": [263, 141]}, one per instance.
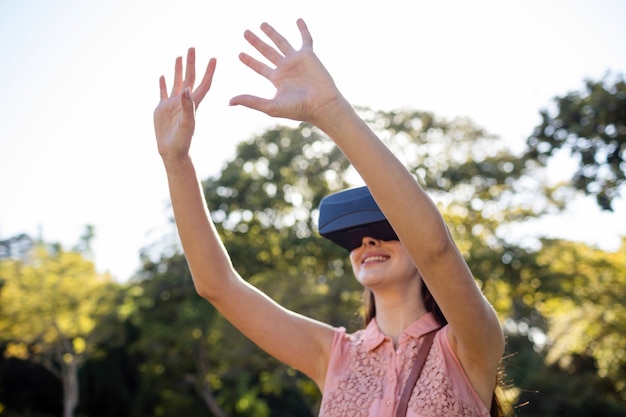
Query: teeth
{"type": "Point", "coordinates": [375, 258]}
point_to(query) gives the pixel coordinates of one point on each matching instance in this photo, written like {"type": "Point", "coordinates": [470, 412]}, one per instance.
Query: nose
{"type": "Point", "coordinates": [366, 241]}
{"type": "Point", "coordinates": [369, 241]}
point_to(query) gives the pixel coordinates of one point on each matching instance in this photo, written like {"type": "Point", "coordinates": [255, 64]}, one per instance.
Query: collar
{"type": "Point", "coordinates": [374, 337]}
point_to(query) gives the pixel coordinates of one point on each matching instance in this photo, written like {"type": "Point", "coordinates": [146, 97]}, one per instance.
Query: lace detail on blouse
{"type": "Point", "coordinates": [434, 395]}
{"type": "Point", "coordinates": [364, 384]}
{"type": "Point", "coordinates": [359, 386]}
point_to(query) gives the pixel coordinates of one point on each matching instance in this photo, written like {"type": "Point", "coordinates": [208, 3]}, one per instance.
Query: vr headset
{"type": "Point", "coordinates": [346, 217]}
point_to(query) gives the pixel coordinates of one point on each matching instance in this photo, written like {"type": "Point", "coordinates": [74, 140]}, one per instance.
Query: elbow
{"type": "Point", "coordinates": [440, 247]}
{"type": "Point", "coordinates": [212, 287]}
{"type": "Point", "coordinates": [203, 290]}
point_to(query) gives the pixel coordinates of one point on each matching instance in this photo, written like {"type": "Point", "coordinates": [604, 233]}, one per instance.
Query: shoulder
{"type": "Point", "coordinates": [342, 339]}
{"type": "Point", "coordinates": [349, 347]}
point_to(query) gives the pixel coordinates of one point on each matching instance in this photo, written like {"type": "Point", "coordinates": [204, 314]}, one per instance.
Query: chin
{"type": "Point", "coordinates": [370, 281]}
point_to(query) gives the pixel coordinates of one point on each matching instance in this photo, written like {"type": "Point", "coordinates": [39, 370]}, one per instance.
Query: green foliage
{"type": "Point", "coordinates": [161, 350]}
{"type": "Point", "coordinates": [193, 359]}
{"type": "Point", "coordinates": [270, 228]}
{"type": "Point", "coordinates": [585, 302]}
{"type": "Point", "coordinates": [576, 391]}
{"type": "Point", "coordinates": [51, 302]}
{"type": "Point", "coordinates": [264, 206]}
{"type": "Point", "coordinates": [172, 322]}
{"type": "Point", "coordinates": [591, 124]}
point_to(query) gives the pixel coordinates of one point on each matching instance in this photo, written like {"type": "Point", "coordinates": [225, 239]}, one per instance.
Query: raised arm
{"type": "Point", "coordinates": [291, 338]}
{"type": "Point", "coordinates": [305, 91]}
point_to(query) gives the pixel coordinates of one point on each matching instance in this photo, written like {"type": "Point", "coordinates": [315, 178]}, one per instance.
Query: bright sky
{"type": "Point", "coordinates": [80, 82]}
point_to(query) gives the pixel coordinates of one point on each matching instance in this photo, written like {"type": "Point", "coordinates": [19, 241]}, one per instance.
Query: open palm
{"type": "Point", "coordinates": [303, 85]}
{"type": "Point", "coordinates": [174, 117]}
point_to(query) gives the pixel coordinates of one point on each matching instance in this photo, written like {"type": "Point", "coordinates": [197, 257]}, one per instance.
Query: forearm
{"type": "Point", "coordinates": [207, 258]}
{"type": "Point", "coordinates": [289, 337]}
{"type": "Point", "coordinates": [416, 220]}
{"type": "Point", "coordinates": [395, 189]}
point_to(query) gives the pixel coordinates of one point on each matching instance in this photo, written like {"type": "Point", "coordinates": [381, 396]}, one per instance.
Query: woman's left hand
{"type": "Point", "coordinates": [305, 91]}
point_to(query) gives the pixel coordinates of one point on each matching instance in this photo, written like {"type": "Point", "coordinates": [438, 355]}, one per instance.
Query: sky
{"type": "Point", "coordinates": [80, 84]}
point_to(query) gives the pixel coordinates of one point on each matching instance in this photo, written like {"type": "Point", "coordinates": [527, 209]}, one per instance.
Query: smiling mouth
{"type": "Point", "coordinates": [377, 258]}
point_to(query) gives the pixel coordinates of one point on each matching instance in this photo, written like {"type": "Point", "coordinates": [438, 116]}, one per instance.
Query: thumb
{"type": "Point", "coordinates": [187, 102]}
{"type": "Point", "coordinates": [252, 102]}
{"type": "Point", "coordinates": [187, 120]}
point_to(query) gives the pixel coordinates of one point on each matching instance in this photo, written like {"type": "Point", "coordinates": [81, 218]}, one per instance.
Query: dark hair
{"type": "Point", "coordinates": [498, 406]}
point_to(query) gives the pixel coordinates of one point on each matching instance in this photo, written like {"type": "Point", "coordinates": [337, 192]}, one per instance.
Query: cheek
{"type": "Point", "coordinates": [408, 263]}
{"type": "Point", "coordinates": [407, 259]}
{"type": "Point", "coordinates": [353, 262]}
{"type": "Point", "coordinates": [355, 269]}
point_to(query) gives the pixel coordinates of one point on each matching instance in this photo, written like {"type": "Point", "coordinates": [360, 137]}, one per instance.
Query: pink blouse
{"type": "Point", "coordinates": [366, 375]}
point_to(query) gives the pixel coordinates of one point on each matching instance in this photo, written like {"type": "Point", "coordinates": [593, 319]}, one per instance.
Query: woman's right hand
{"type": "Point", "coordinates": [174, 117]}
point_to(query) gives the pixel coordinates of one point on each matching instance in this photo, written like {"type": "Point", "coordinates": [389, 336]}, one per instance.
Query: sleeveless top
{"type": "Point", "coordinates": [366, 375]}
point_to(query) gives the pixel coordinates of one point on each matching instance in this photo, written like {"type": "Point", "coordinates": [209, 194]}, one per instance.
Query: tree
{"type": "Point", "coordinates": [265, 208]}
{"type": "Point", "coordinates": [49, 306]}
{"type": "Point", "coordinates": [270, 238]}
{"type": "Point", "coordinates": [15, 247]}
{"type": "Point", "coordinates": [585, 303]}
{"type": "Point", "coordinates": [264, 205]}
{"type": "Point", "coordinates": [178, 334]}
{"type": "Point", "coordinates": [591, 124]}
{"type": "Point", "coordinates": [478, 184]}
{"type": "Point", "coordinates": [182, 358]}
{"type": "Point", "coordinates": [566, 333]}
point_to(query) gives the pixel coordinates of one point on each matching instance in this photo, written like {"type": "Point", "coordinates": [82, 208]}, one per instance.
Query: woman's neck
{"type": "Point", "coordinates": [394, 313]}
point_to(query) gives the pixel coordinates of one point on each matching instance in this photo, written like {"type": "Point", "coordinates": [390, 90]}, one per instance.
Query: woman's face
{"type": "Point", "coordinates": [379, 262]}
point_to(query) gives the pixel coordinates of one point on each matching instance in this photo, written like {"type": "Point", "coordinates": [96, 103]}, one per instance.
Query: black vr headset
{"type": "Point", "coordinates": [346, 217]}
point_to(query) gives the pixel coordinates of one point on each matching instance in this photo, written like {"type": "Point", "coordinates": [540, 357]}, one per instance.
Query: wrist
{"type": "Point", "coordinates": [334, 116]}
{"type": "Point", "coordinates": [174, 163]}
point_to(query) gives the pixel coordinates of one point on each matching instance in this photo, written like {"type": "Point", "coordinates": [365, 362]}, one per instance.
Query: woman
{"type": "Point", "coordinates": [361, 374]}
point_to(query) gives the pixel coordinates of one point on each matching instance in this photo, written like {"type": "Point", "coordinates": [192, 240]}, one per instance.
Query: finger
{"type": "Point", "coordinates": [205, 84]}
{"type": "Point", "coordinates": [252, 102]}
{"type": "Point", "coordinates": [178, 76]}
{"type": "Point", "coordinates": [283, 45]}
{"type": "Point", "coordinates": [257, 66]}
{"type": "Point", "coordinates": [266, 50]}
{"type": "Point", "coordinates": [307, 39]}
{"type": "Point", "coordinates": [162, 88]}
{"type": "Point", "coordinates": [190, 72]}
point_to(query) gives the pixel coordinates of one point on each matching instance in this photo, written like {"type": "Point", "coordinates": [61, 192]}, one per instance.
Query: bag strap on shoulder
{"type": "Point", "coordinates": [403, 404]}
